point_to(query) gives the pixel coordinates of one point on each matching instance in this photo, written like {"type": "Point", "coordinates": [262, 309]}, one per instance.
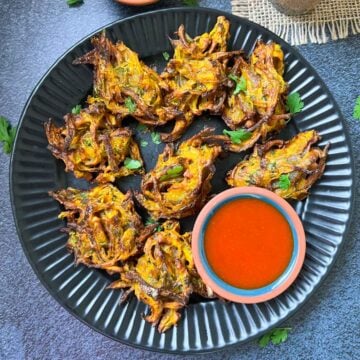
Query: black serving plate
{"type": "Point", "coordinates": [205, 325]}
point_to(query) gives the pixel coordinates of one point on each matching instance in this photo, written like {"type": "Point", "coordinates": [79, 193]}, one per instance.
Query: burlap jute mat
{"type": "Point", "coordinates": [331, 19]}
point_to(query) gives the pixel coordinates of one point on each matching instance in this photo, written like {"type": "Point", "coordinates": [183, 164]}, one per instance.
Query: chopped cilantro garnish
{"type": "Point", "coordinates": [7, 135]}
{"type": "Point", "coordinates": [130, 105]}
{"type": "Point", "coordinates": [284, 181]}
{"type": "Point", "coordinates": [132, 164]}
{"type": "Point", "coordinates": [240, 83]}
{"type": "Point", "coordinates": [237, 136]}
{"type": "Point", "coordinates": [294, 104]}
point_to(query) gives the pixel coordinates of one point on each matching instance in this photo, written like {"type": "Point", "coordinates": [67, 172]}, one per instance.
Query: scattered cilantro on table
{"type": "Point", "coordinates": [74, 2]}
{"type": "Point", "coordinates": [7, 135]}
{"type": "Point", "coordinates": [240, 83]}
{"type": "Point", "coordinates": [237, 136]}
{"type": "Point", "coordinates": [191, 2]}
{"type": "Point", "coordinates": [356, 112]}
{"type": "Point", "coordinates": [276, 337]}
{"type": "Point", "coordinates": [294, 104]}
{"type": "Point", "coordinates": [132, 164]}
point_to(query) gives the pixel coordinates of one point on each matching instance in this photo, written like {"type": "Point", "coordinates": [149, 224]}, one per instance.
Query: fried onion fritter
{"type": "Point", "coordinates": [92, 146]}
{"type": "Point", "coordinates": [164, 276]}
{"type": "Point", "coordinates": [288, 168]}
{"type": "Point", "coordinates": [180, 182]}
{"type": "Point", "coordinates": [118, 75]}
{"type": "Point", "coordinates": [259, 108]}
{"type": "Point", "coordinates": [195, 79]}
{"type": "Point", "coordinates": [103, 226]}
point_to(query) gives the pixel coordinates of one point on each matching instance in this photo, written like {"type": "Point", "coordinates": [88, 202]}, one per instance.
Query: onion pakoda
{"type": "Point", "coordinates": [93, 147]}
{"type": "Point", "coordinates": [125, 84]}
{"type": "Point", "coordinates": [256, 104]}
{"type": "Point", "coordinates": [103, 226]}
{"type": "Point", "coordinates": [180, 182]}
{"type": "Point", "coordinates": [288, 168]}
{"type": "Point", "coordinates": [164, 277]}
{"type": "Point", "coordinates": [195, 79]}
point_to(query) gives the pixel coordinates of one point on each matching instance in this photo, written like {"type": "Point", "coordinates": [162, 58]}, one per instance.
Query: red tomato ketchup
{"type": "Point", "coordinates": [248, 243]}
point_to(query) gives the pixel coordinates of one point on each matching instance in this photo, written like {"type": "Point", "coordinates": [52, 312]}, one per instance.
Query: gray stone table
{"type": "Point", "coordinates": [33, 34]}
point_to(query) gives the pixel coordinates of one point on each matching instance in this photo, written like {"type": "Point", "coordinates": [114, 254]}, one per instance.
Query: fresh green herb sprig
{"type": "Point", "coordinates": [166, 55]}
{"type": "Point", "coordinates": [143, 143]}
{"type": "Point", "coordinates": [155, 137]}
{"type": "Point", "coordinates": [294, 104]}
{"type": "Point", "coordinates": [74, 2]}
{"type": "Point", "coordinates": [172, 173]}
{"type": "Point", "coordinates": [141, 127]}
{"type": "Point", "coordinates": [240, 83]}
{"type": "Point", "coordinates": [237, 136]}
{"type": "Point", "coordinates": [191, 2]}
{"type": "Point", "coordinates": [284, 182]}
{"type": "Point", "coordinates": [7, 135]}
{"type": "Point", "coordinates": [132, 164]}
{"type": "Point", "coordinates": [356, 112]}
{"type": "Point", "coordinates": [130, 105]}
{"type": "Point", "coordinates": [151, 221]}
{"type": "Point", "coordinates": [76, 110]}
{"type": "Point", "coordinates": [276, 337]}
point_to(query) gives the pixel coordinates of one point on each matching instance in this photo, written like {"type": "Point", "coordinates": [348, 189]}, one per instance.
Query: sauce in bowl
{"type": "Point", "coordinates": [248, 243]}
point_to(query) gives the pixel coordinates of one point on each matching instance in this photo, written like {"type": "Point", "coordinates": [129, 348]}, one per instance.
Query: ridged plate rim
{"type": "Point", "coordinates": [319, 81]}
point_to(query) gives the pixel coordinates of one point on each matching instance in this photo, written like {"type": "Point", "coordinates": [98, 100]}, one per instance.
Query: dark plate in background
{"type": "Point", "coordinates": [205, 325]}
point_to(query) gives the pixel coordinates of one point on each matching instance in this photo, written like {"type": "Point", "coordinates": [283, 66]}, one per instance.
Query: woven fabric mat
{"type": "Point", "coordinates": [331, 19]}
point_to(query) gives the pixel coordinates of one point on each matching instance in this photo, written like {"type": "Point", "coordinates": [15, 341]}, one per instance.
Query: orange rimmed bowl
{"type": "Point", "coordinates": [217, 284]}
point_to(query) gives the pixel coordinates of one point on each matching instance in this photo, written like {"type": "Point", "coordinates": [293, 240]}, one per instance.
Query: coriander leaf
{"type": "Point", "coordinates": [294, 104]}
{"type": "Point", "coordinates": [284, 182]}
{"type": "Point", "coordinates": [143, 143]}
{"type": "Point", "coordinates": [166, 55]}
{"type": "Point", "coordinates": [237, 136]}
{"type": "Point", "coordinates": [191, 2]}
{"type": "Point", "coordinates": [132, 164]}
{"type": "Point", "coordinates": [279, 335]}
{"type": "Point", "coordinates": [130, 105]}
{"type": "Point", "coordinates": [150, 221]}
{"type": "Point", "coordinates": [74, 2]}
{"type": "Point", "coordinates": [76, 110]}
{"type": "Point", "coordinates": [264, 340]}
{"type": "Point", "coordinates": [240, 83]}
{"type": "Point", "coordinates": [7, 135]}
{"type": "Point", "coordinates": [276, 336]}
{"type": "Point", "coordinates": [141, 127]}
{"type": "Point", "coordinates": [155, 137]}
{"type": "Point", "coordinates": [356, 113]}
{"type": "Point", "coordinates": [172, 173]}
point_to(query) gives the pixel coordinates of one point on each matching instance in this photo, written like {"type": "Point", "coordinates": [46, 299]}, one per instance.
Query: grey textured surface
{"type": "Point", "coordinates": [32, 324]}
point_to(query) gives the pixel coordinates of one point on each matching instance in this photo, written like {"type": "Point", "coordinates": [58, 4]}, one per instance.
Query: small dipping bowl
{"type": "Point", "coordinates": [217, 284]}
{"type": "Point", "coordinates": [136, 2]}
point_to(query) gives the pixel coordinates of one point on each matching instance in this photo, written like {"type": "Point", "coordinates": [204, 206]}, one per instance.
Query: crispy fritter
{"type": "Point", "coordinates": [103, 226]}
{"type": "Point", "coordinates": [120, 75]}
{"type": "Point", "coordinates": [287, 168]}
{"type": "Point", "coordinates": [204, 45]}
{"type": "Point", "coordinates": [195, 79]}
{"type": "Point", "coordinates": [259, 108]}
{"type": "Point", "coordinates": [164, 276]}
{"type": "Point", "coordinates": [180, 182]}
{"type": "Point", "coordinates": [92, 146]}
